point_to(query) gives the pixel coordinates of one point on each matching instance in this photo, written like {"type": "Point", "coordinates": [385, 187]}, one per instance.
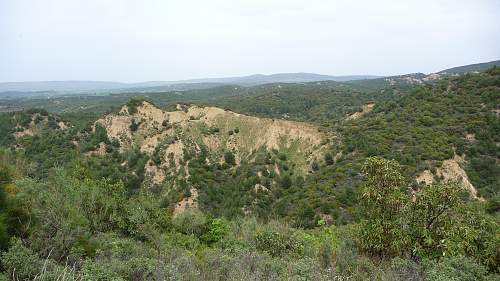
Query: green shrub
{"type": "Point", "coordinates": [229, 158]}
{"type": "Point", "coordinates": [329, 159]}
{"type": "Point", "coordinates": [69, 210]}
{"type": "Point", "coordinates": [286, 181]}
{"type": "Point", "coordinates": [133, 103]}
{"type": "Point", "coordinates": [190, 222]}
{"type": "Point", "coordinates": [455, 269]}
{"type": "Point", "coordinates": [134, 125]}
{"type": "Point", "coordinates": [315, 166]}
{"type": "Point", "coordinates": [20, 261]}
{"type": "Point", "coordinates": [355, 266]}
{"type": "Point", "coordinates": [216, 230]}
{"type": "Point", "coordinates": [185, 241]}
{"type": "Point", "coordinates": [4, 235]}
{"type": "Point", "coordinates": [277, 244]}
{"type": "Point", "coordinates": [156, 157]}
{"type": "Point", "coordinates": [404, 269]}
{"type": "Point", "coordinates": [166, 124]}
{"type": "Point", "coordinates": [94, 271]}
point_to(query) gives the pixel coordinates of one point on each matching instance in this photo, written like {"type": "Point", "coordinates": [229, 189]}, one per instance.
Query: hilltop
{"type": "Point", "coordinates": [477, 67]}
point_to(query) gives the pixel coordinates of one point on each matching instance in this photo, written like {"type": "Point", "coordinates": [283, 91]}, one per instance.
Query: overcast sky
{"type": "Point", "coordinates": [142, 40]}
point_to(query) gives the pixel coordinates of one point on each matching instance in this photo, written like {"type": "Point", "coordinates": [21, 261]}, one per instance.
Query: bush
{"type": "Point", "coordinates": [286, 181]}
{"type": "Point", "coordinates": [240, 265]}
{"type": "Point", "coordinates": [190, 222]}
{"type": "Point", "coordinates": [315, 166]}
{"type": "Point", "coordinates": [92, 271]}
{"type": "Point", "coordinates": [354, 266]}
{"type": "Point", "coordinates": [166, 124]}
{"type": "Point", "coordinates": [456, 269]}
{"type": "Point", "coordinates": [185, 241]}
{"type": "Point", "coordinates": [133, 103]}
{"type": "Point", "coordinates": [229, 158]}
{"type": "Point", "coordinates": [217, 229]}
{"type": "Point", "coordinates": [20, 261]}
{"type": "Point", "coordinates": [4, 235]}
{"type": "Point", "coordinates": [405, 269]}
{"type": "Point", "coordinates": [134, 125]}
{"type": "Point", "coordinates": [69, 210]}
{"type": "Point", "coordinates": [277, 244]}
{"type": "Point", "coordinates": [328, 159]}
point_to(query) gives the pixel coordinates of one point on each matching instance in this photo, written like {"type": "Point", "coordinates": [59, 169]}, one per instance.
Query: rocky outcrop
{"type": "Point", "coordinates": [450, 171]}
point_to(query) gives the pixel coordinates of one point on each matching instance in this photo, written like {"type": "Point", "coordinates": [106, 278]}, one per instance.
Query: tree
{"type": "Point", "coordinates": [315, 166]}
{"type": "Point", "coordinates": [229, 158]}
{"type": "Point", "coordinates": [328, 159]}
{"type": "Point", "coordinates": [134, 125]}
{"type": "Point", "coordinates": [432, 223]}
{"type": "Point", "coordinates": [286, 181]}
{"type": "Point", "coordinates": [383, 198]}
{"type": "Point", "coordinates": [69, 210]}
{"type": "Point", "coordinates": [432, 220]}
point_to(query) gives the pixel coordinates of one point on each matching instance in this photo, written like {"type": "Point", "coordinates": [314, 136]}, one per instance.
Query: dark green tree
{"type": "Point", "coordinates": [229, 158]}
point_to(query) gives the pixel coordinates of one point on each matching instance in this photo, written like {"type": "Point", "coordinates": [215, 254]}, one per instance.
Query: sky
{"type": "Point", "coordinates": [151, 40]}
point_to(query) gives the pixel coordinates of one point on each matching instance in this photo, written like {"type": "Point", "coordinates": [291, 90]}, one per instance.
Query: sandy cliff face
{"type": "Point", "coordinates": [450, 171]}
{"type": "Point", "coordinates": [190, 128]}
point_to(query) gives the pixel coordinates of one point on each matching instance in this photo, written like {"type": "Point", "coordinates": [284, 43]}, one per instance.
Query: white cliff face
{"type": "Point", "coordinates": [450, 171]}
{"type": "Point", "coordinates": [189, 128]}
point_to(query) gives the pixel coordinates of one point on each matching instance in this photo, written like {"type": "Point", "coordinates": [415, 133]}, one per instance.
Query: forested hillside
{"type": "Point", "coordinates": [380, 180]}
{"type": "Point", "coordinates": [455, 116]}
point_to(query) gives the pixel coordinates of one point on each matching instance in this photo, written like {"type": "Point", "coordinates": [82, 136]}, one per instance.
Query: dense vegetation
{"type": "Point", "coordinates": [70, 210]}
{"type": "Point", "coordinates": [432, 124]}
{"type": "Point", "coordinates": [321, 102]}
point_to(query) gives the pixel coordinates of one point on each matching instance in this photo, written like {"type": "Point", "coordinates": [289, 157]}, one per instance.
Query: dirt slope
{"type": "Point", "coordinates": [190, 128]}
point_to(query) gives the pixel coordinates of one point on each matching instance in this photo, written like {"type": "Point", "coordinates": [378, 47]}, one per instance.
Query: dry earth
{"type": "Point", "coordinates": [450, 171]}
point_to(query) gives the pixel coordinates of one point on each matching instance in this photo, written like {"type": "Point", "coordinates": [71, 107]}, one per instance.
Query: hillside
{"type": "Point", "coordinates": [456, 116]}
{"type": "Point", "coordinates": [303, 178]}
{"type": "Point", "coordinates": [174, 141]}
{"type": "Point", "coordinates": [478, 67]}
{"type": "Point", "coordinates": [288, 98]}
{"type": "Point", "coordinates": [323, 103]}
{"type": "Point", "coordinates": [212, 129]}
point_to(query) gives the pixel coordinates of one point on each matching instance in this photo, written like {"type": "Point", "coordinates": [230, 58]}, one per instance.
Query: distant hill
{"type": "Point", "coordinates": [154, 86]}
{"type": "Point", "coordinates": [470, 68]}
{"type": "Point", "coordinates": [59, 86]}
{"type": "Point", "coordinates": [52, 88]}
{"type": "Point", "coordinates": [259, 79]}
{"type": "Point", "coordinates": [410, 79]}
